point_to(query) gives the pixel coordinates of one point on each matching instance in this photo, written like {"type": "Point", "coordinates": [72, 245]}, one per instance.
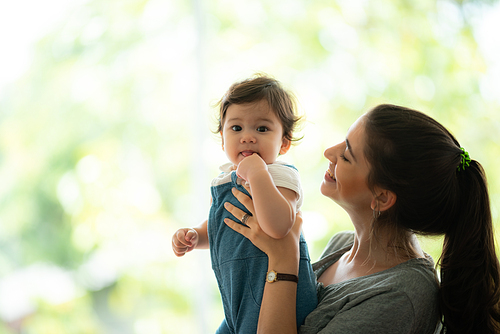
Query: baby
{"type": "Point", "coordinates": [256, 122]}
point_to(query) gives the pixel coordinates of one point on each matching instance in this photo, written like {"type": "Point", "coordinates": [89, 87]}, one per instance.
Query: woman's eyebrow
{"type": "Point", "coordinates": [350, 149]}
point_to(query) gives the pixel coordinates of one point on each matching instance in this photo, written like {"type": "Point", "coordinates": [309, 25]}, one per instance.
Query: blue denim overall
{"type": "Point", "coordinates": [240, 267]}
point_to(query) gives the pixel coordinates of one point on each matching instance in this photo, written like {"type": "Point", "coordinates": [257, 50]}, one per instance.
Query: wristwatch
{"type": "Point", "coordinates": [272, 276]}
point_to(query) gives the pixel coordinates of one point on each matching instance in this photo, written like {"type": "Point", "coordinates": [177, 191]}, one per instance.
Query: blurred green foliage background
{"type": "Point", "coordinates": [106, 145]}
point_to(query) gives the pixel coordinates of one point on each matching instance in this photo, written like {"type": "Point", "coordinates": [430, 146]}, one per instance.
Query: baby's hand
{"type": "Point", "coordinates": [250, 165]}
{"type": "Point", "coordinates": [184, 240]}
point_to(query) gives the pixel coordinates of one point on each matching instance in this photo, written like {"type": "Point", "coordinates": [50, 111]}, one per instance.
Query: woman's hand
{"type": "Point", "coordinates": [278, 250]}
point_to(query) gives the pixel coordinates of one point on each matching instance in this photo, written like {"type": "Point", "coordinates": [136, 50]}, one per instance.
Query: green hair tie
{"type": "Point", "coordinates": [465, 160]}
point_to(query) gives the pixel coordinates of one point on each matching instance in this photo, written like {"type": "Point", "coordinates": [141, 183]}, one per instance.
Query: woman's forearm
{"type": "Point", "coordinates": [278, 308]}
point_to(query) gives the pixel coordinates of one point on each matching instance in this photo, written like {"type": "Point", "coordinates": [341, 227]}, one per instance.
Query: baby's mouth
{"type": "Point", "coordinates": [247, 153]}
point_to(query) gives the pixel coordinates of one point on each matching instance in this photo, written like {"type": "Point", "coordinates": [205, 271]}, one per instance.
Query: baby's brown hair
{"type": "Point", "coordinates": [262, 87]}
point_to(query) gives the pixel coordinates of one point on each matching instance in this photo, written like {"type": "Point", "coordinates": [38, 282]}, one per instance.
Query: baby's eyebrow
{"type": "Point", "coordinates": [259, 120]}
{"type": "Point", "coordinates": [233, 119]}
{"type": "Point", "coordinates": [267, 120]}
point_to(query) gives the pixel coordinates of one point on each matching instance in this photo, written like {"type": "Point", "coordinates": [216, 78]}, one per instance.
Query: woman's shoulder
{"type": "Point", "coordinates": [407, 292]}
{"type": "Point", "coordinates": [414, 277]}
{"type": "Point", "coordinates": [338, 242]}
{"type": "Point", "coordinates": [338, 245]}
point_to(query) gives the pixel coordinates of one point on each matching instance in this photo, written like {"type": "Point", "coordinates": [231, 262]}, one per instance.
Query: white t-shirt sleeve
{"type": "Point", "coordinates": [287, 177]}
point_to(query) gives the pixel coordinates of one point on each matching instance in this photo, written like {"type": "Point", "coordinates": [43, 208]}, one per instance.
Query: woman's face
{"type": "Point", "coordinates": [345, 180]}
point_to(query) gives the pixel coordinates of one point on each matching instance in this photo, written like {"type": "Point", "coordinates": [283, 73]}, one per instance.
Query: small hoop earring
{"type": "Point", "coordinates": [376, 213]}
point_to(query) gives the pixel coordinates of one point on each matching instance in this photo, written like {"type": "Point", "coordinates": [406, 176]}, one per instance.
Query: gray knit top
{"type": "Point", "coordinates": [402, 299]}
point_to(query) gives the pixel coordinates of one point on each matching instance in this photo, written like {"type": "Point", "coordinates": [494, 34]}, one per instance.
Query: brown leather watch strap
{"type": "Point", "coordinates": [272, 276]}
{"type": "Point", "coordinates": [287, 277]}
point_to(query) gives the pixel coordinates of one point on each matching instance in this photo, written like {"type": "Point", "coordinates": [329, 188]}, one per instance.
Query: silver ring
{"type": "Point", "coordinates": [245, 218]}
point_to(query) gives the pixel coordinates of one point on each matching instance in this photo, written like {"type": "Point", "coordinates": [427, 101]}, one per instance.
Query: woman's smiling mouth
{"type": "Point", "coordinates": [330, 174]}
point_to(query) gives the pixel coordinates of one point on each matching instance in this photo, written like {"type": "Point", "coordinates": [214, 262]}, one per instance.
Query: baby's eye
{"type": "Point", "coordinates": [262, 129]}
{"type": "Point", "coordinates": [236, 128]}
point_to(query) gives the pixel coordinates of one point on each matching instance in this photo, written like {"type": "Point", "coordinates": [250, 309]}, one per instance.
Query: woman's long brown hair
{"type": "Point", "coordinates": [416, 157]}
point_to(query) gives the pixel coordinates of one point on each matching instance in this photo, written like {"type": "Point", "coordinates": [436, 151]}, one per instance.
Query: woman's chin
{"type": "Point", "coordinates": [328, 188]}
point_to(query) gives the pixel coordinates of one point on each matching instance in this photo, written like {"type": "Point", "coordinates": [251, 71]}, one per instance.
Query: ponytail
{"type": "Point", "coordinates": [470, 279]}
{"type": "Point", "coordinates": [440, 191]}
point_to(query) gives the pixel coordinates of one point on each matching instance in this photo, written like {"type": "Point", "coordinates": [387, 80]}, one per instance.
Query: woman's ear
{"type": "Point", "coordinates": [285, 146]}
{"type": "Point", "coordinates": [383, 200]}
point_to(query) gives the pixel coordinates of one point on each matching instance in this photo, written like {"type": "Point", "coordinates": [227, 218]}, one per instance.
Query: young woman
{"type": "Point", "coordinates": [397, 174]}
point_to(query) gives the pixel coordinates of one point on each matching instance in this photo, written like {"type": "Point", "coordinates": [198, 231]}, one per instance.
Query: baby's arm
{"type": "Point", "coordinates": [274, 206]}
{"type": "Point", "coordinates": [186, 239]}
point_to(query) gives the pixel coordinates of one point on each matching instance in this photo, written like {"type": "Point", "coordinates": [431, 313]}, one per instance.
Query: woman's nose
{"type": "Point", "coordinates": [331, 153]}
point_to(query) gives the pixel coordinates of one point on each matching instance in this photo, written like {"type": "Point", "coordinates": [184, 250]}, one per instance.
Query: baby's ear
{"type": "Point", "coordinates": [222, 138]}
{"type": "Point", "coordinates": [285, 145]}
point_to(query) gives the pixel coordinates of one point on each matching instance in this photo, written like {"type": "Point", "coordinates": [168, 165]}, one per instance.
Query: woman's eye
{"type": "Point", "coordinates": [262, 129]}
{"type": "Point", "coordinates": [236, 128]}
{"type": "Point", "coordinates": [342, 155]}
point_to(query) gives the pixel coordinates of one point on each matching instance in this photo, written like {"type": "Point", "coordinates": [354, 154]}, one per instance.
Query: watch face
{"type": "Point", "coordinates": [271, 276]}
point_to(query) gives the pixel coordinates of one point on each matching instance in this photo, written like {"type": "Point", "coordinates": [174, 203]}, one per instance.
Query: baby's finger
{"type": "Point", "coordinates": [177, 244]}
{"type": "Point", "coordinates": [179, 250]}
{"type": "Point", "coordinates": [190, 236]}
{"type": "Point", "coordinates": [179, 239]}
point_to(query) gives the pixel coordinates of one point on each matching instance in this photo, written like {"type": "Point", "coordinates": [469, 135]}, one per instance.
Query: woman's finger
{"type": "Point", "coordinates": [237, 212]}
{"type": "Point", "coordinates": [246, 185]}
{"type": "Point", "coordinates": [252, 232]}
{"type": "Point", "coordinates": [244, 199]}
{"type": "Point", "coordinates": [241, 229]}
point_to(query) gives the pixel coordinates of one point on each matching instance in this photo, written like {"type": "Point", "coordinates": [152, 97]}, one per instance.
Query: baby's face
{"type": "Point", "coordinates": [252, 128]}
